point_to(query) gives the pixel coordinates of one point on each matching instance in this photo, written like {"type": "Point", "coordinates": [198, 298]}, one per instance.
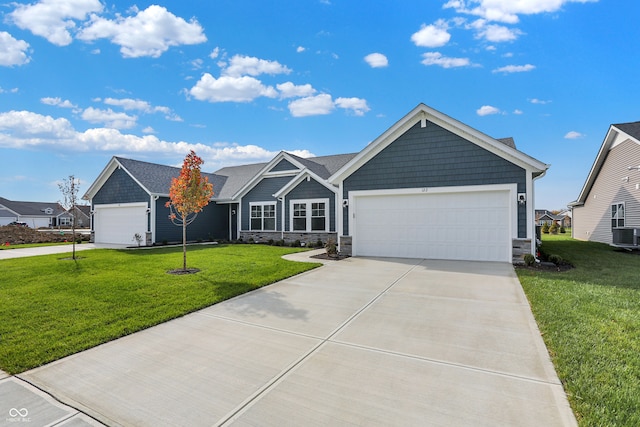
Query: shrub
{"type": "Point", "coordinates": [529, 260]}
{"type": "Point", "coordinates": [556, 259]}
{"type": "Point", "coordinates": [319, 244]}
{"type": "Point", "coordinates": [554, 228]}
{"type": "Point", "coordinates": [331, 248]}
{"type": "Point", "coordinates": [562, 230]}
{"type": "Point", "coordinates": [545, 228]}
{"type": "Point", "coordinates": [271, 242]}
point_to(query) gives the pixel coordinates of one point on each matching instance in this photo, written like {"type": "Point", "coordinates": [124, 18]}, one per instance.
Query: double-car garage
{"type": "Point", "coordinates": [463, 223]}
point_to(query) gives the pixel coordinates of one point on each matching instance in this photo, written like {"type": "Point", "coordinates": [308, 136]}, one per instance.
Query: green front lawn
{"type": "Point", "coordinates": [590, 320]}
{"type": "Point", "coordinates": [51, 308]}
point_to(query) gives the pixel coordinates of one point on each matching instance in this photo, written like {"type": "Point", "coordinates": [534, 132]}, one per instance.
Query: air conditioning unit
{"type": "Point", "coordinates": [626, 237]}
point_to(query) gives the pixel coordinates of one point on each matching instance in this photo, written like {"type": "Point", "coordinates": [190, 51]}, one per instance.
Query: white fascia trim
{"type": "Point", "coordinates": [121, 205]}
{"type": "Point", "coordinates": [104, 176]}
{"type": "Point", "coordinates": [286, 189]}
{"type": "Point", "coordinates": [511, 188]}
{"type": "Point", "coordinates": [264, 171]}
{"type": "Point", "coordinates": [422, 113]}
{"type": "Point", "coordinates": [611, 135]}
{"type": "Point", "coordinates": [101, 179]}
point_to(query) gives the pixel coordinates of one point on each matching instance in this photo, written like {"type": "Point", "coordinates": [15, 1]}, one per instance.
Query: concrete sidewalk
{"type": "Point", "coordinates": [356, 342]}
{"type": "Point", "coordinates": [52, 250]}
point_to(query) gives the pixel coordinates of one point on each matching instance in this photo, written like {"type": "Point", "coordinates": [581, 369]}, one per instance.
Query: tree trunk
{"type": "Point", "coordinates": [184, 245]}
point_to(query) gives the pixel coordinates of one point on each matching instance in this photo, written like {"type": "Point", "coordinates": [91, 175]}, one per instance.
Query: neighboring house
{"type": "Point", "coordinates": [428, 187]}
{"type": "Point", "coordinates": [34, 214]}
{"type": "Point", "coordinates": [561, 219]}
{"type": "Point", "coordinates": [608, 207]}
{"type": "Point", "coordinates": [82, 213]}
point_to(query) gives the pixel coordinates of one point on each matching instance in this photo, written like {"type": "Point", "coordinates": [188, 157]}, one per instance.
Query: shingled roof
{"type": "Point", "coordinates": [31, 208]}
{"type": "Point", "coordinates": [156, 179]}
{"type": "Point", "coordinates": [631, 129]}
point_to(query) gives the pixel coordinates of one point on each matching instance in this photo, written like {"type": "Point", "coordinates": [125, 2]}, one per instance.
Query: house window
{"type": "Point", "coordinates": [65, 220]}
{"type": "Point", "coordinates": [309, 215]}
{"type": "Point", "coordinates": [263, 217]}
{"type": "Point", "coordinates": [617, 215]}
{"type": "Point", "coordinates": [299, 217]}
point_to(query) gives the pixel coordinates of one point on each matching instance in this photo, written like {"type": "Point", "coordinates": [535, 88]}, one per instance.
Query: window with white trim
{"type": "Point", "coordinates": [263, 216]}
{"type": "Point", "coordinates": [617, 215]}
{"type": "Point", "coordinates": [309, 215]}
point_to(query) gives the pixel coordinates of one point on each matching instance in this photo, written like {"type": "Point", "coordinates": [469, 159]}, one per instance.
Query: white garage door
{"type": "Point", "coordinates": [117, 224]}
{"type": "Point", "coordinates": [459, 226]}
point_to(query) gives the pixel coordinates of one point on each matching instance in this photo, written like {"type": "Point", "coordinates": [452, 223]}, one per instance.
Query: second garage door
{"type": "Point", "coordinates": [471, 225]}
{"type": "Point", "coordinates": [117, 224]}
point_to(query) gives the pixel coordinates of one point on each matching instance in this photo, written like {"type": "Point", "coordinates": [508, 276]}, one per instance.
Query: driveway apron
{"type": "Point", "coordinates": [360, 341]}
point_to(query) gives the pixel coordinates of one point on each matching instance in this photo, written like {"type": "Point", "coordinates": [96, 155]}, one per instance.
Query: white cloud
{"type": "Point", "coordinates": [498, 33]}
{"type": "Point", "coordinates": [517, 112]}
{"type": "Point", "coordinates": [230, 89]}
{"type": "Point", "coordinates": [487, 110]}
{"type": "Point", "coordinates": [12, 51]}
{"type": "Point", "coordinates": [312, 106]}
{"type": "Point", "coordinates": [436, 58]}
{"type": "Point", "coordinates": [12, 90]}
{"type": "Point", "coordinates": [240, 65]}
{"type": "Point", "coordinates": [376, 60]}
{"type": "Point", "coordinates": [300, 49]}
{"type": "Point", "coordinates": [514, 69]}
{"type": "Point", "coordinates": [57, 102]}
{"type": "Point", "coordinates": [214, 53]}
{"type": "Point", "coordinates": [573, 135]}
{"type": "Point", "coordinates": [432, 35]}
{"type": "Point", "coordinates": [21, 129]}
{"type": "Point", "coordinates": [539, 101]}
{"type": "Point", "coordinates": [53, 19]}
{"type": "Point", "coordinates": [149, 130]}
{"type": "Point", "coordinates": [290, 90]}
{"type": "Point", "coordinates": [357, 105]}
{"type": "Point", "coordinates": [150, 32]}
{"type": "Point", "coordinates": [507, 10]}
{"type": "Point", "coordinates": [109, 118]}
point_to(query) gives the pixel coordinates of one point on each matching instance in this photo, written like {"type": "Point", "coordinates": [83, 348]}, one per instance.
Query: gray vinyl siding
{"type": "Point", "coordinates": [283, 165]}
{"type": "Point", "coordinates": [312, 190]}
{"type": "Point", "coordinates": [120, 188]}
{"type": "Point", "coordinates": [434, 157]}
{"type": "Point", "coordinates": [212, 223]}
{"type": "Point", "coordinates": [263, 192]}
{"type": "Point", "coordinates": [593, 220]}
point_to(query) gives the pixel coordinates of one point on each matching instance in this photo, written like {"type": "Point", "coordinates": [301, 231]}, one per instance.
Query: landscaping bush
{"type": "Point", "coordinates": [529, 260]}
{"type": "Point", "coordinates": [556, 259]}
{"type": "Point", "coordinates": [331, 248]}
{"type": "Point", "coordinates": [553, 229]}
{"type": "Point", "coordinates": [562, 230]}
{"type": "Point", "coordinates": [545, 228]}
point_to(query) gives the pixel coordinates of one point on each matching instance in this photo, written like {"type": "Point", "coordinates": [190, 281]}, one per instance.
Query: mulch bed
{"type": "Point", "coordinates": [324, 255]}
{"type": "Point", "coordinates": [545, 266]}
{"type": "Point", "coordinates": [180, 271]}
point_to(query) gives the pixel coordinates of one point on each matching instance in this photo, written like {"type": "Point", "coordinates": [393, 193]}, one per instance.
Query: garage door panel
{"type": "Point", "coordinates": [468, 225]}
{"type": "Point", "coordinates": [119, 224]}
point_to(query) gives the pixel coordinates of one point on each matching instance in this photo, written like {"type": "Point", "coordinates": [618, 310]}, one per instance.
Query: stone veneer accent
{"type": "Point", "coordinates": [289, 237]}
{"type": "Point", "coordinates": [521, 247]}
{"type": "Point", "coordinates": [346, 245]}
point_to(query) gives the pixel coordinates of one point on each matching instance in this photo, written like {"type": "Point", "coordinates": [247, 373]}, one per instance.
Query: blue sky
{"type": "Point", "coordinates": [238, 81]}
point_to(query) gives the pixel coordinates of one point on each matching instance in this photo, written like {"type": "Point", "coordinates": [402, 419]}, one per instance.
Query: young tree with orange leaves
{"type": "Point", "coordinates": [188, 195]}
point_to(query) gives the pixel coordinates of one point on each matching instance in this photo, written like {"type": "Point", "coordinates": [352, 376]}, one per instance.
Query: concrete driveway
{"type": "Point", "coordinates": [387, 342]}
